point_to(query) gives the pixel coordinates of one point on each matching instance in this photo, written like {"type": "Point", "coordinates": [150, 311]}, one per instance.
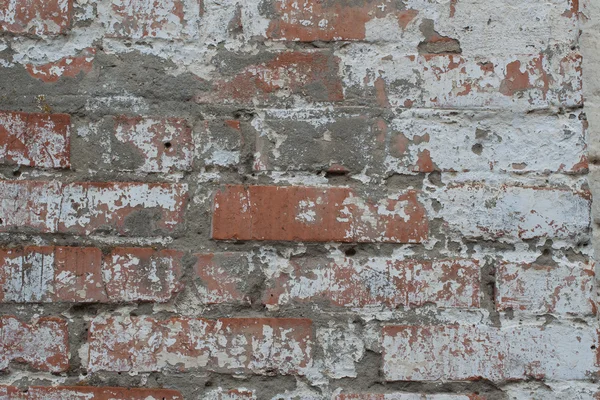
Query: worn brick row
{"type": "Point", "coordinates": [49, 274]}
{"type": "Point", "coordinates": [296, 213]}
{"type": "Point", "coordinates": [267, 346]}
{"type": "Point", "coordinates": [284, 346]}
{"type": "Point", "coordinates": [113, 393]}
{"type": "Point", "coordinates": [83, 392]}
{"type": "Point", "coordinates": [143, 209]}
{"type": "Point", "coordinates": [356, 75]}
{"type": "Point", "coordinates": [418, 141]}
{"type": "Point", "coordinates": [235, 345]}
{"type": "Point", "coordinates": [431, 353]}
{"type": "Point", "coordinates": [306, 21]}
{"type": "Point", "coordinates": [414, 141]}
{"type": "Point", "coordinates": [42, 344]}
{"type": "Point", "coordinates": [124, 143]}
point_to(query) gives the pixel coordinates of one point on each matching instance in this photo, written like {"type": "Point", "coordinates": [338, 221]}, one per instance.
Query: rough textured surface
{"type": "Point", "coordinates": [299, 199]}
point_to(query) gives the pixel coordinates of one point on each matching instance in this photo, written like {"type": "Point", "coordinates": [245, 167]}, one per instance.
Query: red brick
{"type": "Point", "coordinates": [34, 140]}
{"type": "Point", "coordinates": [80, 274]}
{"type": "Point", "coordinates": [313, 75]}
{"type": "Point", "coordinates": [162, 144]}
{"type": "Point", "coordinates": [377, 281]}
{"type": "Point", "coordinates": [89, 393]}
{"type": "Point", "coordinates": [316, 215]}
{"type": "Point", "coordinates": [43, 344]}
{"type": "Point", "coordinates": [431, 353]}
{"type": "Point", "coordinates": [40, 17]}
{"type": "Point", "coordinates": [222, 278]}
{"type": "Point", "coordinates": [312, 20]}
{"type": "Point", "coordinates": [143, 209]}
{"type": "Point", "coordinates": [232, 345]}
{"type": "Point", "coordinates": [543, 289]}
{"type": "Point", "coordinates": [70, 67]}
{"type": "Point", "coordinates": [136, 19]}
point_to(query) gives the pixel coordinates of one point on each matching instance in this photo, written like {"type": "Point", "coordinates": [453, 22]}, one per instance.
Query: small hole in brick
{"type": "Point", "coordinates": [593, 347]}
{"type": "Point", "coordinates": [1, 222]}
{"type": "Point", "coordinates": [17, 173]}
{"type": "Point", "coordinates": [168, 145]}
{"type": "Point", "coordinates": [351, 252]}
{"type": "Point", "coordinates": [208, 384]}
{"type": "Point", "coordinates": [333, 174]}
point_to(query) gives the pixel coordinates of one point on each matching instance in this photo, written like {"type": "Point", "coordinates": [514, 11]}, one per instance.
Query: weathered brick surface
{"type": "Point", "coordinates": [219, 143]}
{"type": "Point", "coordinates": [508, 211]}
{"type": "Point", "coordinates": [453, 81]}
{"type": "Point", "coordinates": [165, 19]}
{"type": "Point", "coordinates": [83, 275]}
{"type": "Point", "coordinates": [34, 140]}
{"type": "Point", "coordinates": [46, 274]}
{"type": "Point", "coordinates": [418, 141]}
{"type": "Point", "coordinates": [312, 20]}
{"type": "Point", "coordinates": [235, 345]}
{"type": "Point", "coordinates": [91, 393]}
{"type": "Point", "coordinates": [405, 396]}
{"type": "Point", "coordinates": [83, 208]}
{"type": "Point", "coordinates": [43, 344]}
{"type": "Point", "coordinates": [223, 278]}
{"type": "Point", "coordinates": [388, 21]}
{"type": "Point", "coordinates": [163, 145]}
{"type": "Point", "coordinates": [545, 289]}
{"type": "Point", "coordinates": [309, 74]}
{"type": "Point", "coordinates": [40, 17]}
{"type": "Point", "coordinates": [232, 394]}
{"type": "Point", "coordinates": [378, 281]}
{"type": "Point", "coordinates": [298, 199]}
{"type": "Point", "coordinates": [427, 353]}
{"type": "Point", "coordinates": [316, 215]}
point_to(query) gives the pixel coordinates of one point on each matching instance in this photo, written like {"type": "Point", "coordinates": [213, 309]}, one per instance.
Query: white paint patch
{"type": "Point", "coordinates": [510, 213]}
{"type": "Point", "coordinates": [342, 348]}
{"type": "Point", "coordinates": [430, 353]}
{"type": "Point", "coordinates": [30, 278]}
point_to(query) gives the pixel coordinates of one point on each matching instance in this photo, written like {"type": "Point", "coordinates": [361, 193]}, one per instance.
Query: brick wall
{"type": "Point", "coordinates": [297, 199]}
